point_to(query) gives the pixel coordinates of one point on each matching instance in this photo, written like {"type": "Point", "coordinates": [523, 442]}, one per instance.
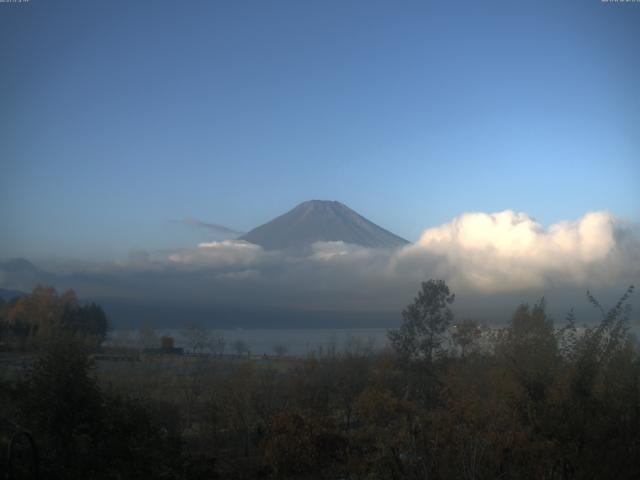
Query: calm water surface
{"type": "Point", "coordinates": [264, 341]}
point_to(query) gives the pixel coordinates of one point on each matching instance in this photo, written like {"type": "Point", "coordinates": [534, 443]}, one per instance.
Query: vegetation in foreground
{"type": "Point", "coordinates": [542, 403]}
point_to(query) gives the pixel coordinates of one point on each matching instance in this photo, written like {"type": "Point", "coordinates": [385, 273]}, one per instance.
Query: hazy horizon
{"type": "Point", "coordinates": [138, 141]}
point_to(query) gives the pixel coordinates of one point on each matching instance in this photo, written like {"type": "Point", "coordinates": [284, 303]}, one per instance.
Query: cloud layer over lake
{"type": "Point", "coordinates": [478, 254]}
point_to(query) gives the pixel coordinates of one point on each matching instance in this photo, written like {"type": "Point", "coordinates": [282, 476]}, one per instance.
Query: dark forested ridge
{"type": "Point", "coordinates": [448, 400]}
{"type": "Point", "coordinates": [7, 295]}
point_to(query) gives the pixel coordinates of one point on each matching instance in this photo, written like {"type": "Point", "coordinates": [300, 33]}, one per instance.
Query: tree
{"type": "Point", "coordinates": [304, 446]}
{"type": "Point", "coordinates": [602, 395]}
{"type": "Point", "coordinates": [424, 323]}
{"type": "Point", "coordinates": [466, 334]}
{"type": "Point", "coordinates": [83, 432]}
{"type": "Point", "coordinates": [387, 444]}
{"type": "Point", "coordinates": [147, 336]}
{"type": "Point", "coordinates": [4, 327]}
{"type": "Point", "coordinates": [240, 347]}
{"type": "Point", "coordinates": [97, 322]}
{"type": "Point", "coordinates": [89, 322]}
{"type": "Point", "coordinates": [280, 350]}
{"type": "Point", "coordinates": [191, 381]}
{"type": "Point", "coordinates": [44, 316]}
{"type": "Point", "coordinates": [529, 351]}
{"type": "Point", "coordinates": [62, 405]}
{"type": "Point", "coordinates": [217, 343]}
{"type": "Point", "coordinates": [123, 335]}
{"type": "Point", "coordinates": [36, 316]}
{"type": "Point", "coordinates": [197, 337]}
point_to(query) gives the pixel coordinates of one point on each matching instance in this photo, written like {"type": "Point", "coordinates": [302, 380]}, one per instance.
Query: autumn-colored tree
{"type": "Point", "coordinates": [543, 403]}
{"type": "Point", "coordinates": [302, 446]}
{"type": "Point", "coordinates": [43, 316]}
{"type": "Point", "coordinates": [384, 443]}
{"type": "Point", "coordinates": [36, 316]}
{"type": "Point", "coordinates": [530, 350]}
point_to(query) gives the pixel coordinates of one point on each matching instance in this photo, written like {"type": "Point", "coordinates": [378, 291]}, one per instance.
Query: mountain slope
{"type": "Point", "coordinates": [320, 220]}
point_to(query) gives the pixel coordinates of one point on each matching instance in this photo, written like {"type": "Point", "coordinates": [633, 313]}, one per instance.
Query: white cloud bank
{"type": "Point", "coordinates": [226, 253]}
{"type": "Point", "coordinates": [509, 251]}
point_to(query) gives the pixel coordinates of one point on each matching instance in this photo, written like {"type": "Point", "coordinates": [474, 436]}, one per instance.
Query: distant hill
{"type": "Point", "coordinates": [320, 220]}
{"type": "Point", "coordinates": [9, 294]}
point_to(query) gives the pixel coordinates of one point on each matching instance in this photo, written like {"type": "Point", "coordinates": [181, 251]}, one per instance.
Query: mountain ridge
{"type": "Point", "coordinates": [321, 221]}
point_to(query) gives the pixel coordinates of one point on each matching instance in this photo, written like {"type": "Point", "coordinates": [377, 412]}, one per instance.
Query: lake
{"type": "Point", "coordinates": [299, 342]}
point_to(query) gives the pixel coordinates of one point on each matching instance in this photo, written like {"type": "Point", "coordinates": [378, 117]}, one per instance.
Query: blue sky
{"type": "Point", "coordinates": [118, 118]}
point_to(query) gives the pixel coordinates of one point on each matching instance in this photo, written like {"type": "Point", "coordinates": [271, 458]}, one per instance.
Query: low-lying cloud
{"type": "Point", "coordinates": [478, 254]}
{"type": "Point", "coordinates": [219, 254]}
